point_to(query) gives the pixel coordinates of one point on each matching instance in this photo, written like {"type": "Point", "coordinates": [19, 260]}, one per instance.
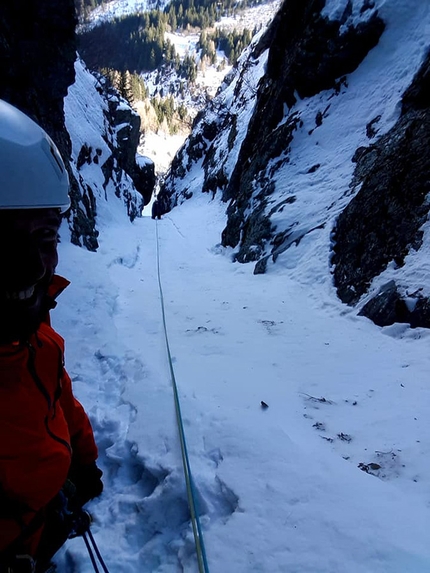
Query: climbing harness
{"type": "Point", "coordinates": [80, 526]}
{"type": "Point", "coordinates": [191, 492]}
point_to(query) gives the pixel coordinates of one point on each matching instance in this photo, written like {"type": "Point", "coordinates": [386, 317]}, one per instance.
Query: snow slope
{"type": "Point", "coordinates": [333, 476]}
{"type": "Point", "coordinates": [280, 487]}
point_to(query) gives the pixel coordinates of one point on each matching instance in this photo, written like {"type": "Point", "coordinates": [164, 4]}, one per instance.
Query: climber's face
{"type": "Point", "coordinates": [28, 257]}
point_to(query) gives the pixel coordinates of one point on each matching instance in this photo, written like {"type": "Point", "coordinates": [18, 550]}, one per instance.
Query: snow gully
{"type": "Point", "coordinates": [191, 494]}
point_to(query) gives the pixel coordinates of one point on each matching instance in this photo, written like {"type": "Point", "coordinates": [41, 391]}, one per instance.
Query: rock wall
{"type": "Point", "coordinates": [37, 53]}
{"type": "Point", "coordinates": [309, 166]}
{"type": "Point", "coordinates": [127, 138]}
{"type": "Point", "coordinates": [307, 54]}
{"type": "Point", "coordinates": [382, 223]}
{"type": "Point", "coordinates": [104, 131]}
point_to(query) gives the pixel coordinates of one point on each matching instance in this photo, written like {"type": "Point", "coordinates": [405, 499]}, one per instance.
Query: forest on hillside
{"type": "Point", "coordinates": [218, 8]}
{"type": "Point", "coordinates": [125, 47]}
{"type": "Point", "coordinates": [84, 7]}
{"type": "Point", "coordinates": [137, 43]}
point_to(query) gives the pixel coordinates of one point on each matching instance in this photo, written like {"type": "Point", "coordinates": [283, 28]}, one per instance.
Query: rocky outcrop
{"type": "Point", "coordinates": [127, 124]}
{"type": "Point", "coordinates": [304, 53]}
{"type": "Point", "coordinates": [105, 133]}
{"type": "Point", "coordinates": [383, 221]}
{"type": "Point", "coordinates": [308, 53]}
{"type": "Point", "coordinates": [111, 150]}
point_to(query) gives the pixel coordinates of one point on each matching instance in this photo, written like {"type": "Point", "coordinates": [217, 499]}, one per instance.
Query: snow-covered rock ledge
{"type": "Point", "coordinates": [104, 131]}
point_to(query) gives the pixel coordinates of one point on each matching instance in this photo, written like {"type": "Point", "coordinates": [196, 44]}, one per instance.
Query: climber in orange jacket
{"type": "Point", "coordinates": [47, 450]}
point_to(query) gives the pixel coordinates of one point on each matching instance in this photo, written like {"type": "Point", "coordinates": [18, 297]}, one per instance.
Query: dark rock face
{"type": "Point", "coordinates": [307, 54]}
{"type": "Point", "coordinates": [37, 56]}
{"type": "Point", "coordinates": [243, 149]}
{"type": "Point", "coordinates": [310, 52]}
{"type": "Point", "coordinates": [382, 223]}
{"type": "Point", "coordinates": [254, 230]}
{"type": "Point", "coordinates": [128, 139]}
{"type": "Point", "coordinates": [35, 75]}
{"type": "Point", "coordinates": [37, 52]}
{"type": "Point", "coordinates": [387, 307]}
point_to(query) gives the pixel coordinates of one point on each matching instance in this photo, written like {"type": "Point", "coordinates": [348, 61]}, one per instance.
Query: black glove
{"type": "Point", "coordinates": [18, 564]}
{"type": "Point", "coordinates": [87, 480]}
{"type": "Point", "coordinates": [11, 508]}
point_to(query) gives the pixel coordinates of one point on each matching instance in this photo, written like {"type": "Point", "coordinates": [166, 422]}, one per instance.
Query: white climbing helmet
{"type": "Point", "coordinates": [32, 173]}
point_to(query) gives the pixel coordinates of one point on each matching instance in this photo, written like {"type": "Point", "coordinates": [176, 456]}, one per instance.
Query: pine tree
{"type": "Point", "coordinates": [125, 88]}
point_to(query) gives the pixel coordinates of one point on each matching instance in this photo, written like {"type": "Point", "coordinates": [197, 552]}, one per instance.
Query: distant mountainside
{"type": "Point", "coordinates": [170, 63]}
{"type": "Point", "coordinates": [92, 12]}
{"type": "Point", "coordinates": [142, 39]}
{"type": "Point", "coordinates": [318, 144]}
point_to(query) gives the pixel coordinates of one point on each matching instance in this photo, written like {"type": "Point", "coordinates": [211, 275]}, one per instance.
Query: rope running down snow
{"type": "Point", "coordinates": [191, 493]}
